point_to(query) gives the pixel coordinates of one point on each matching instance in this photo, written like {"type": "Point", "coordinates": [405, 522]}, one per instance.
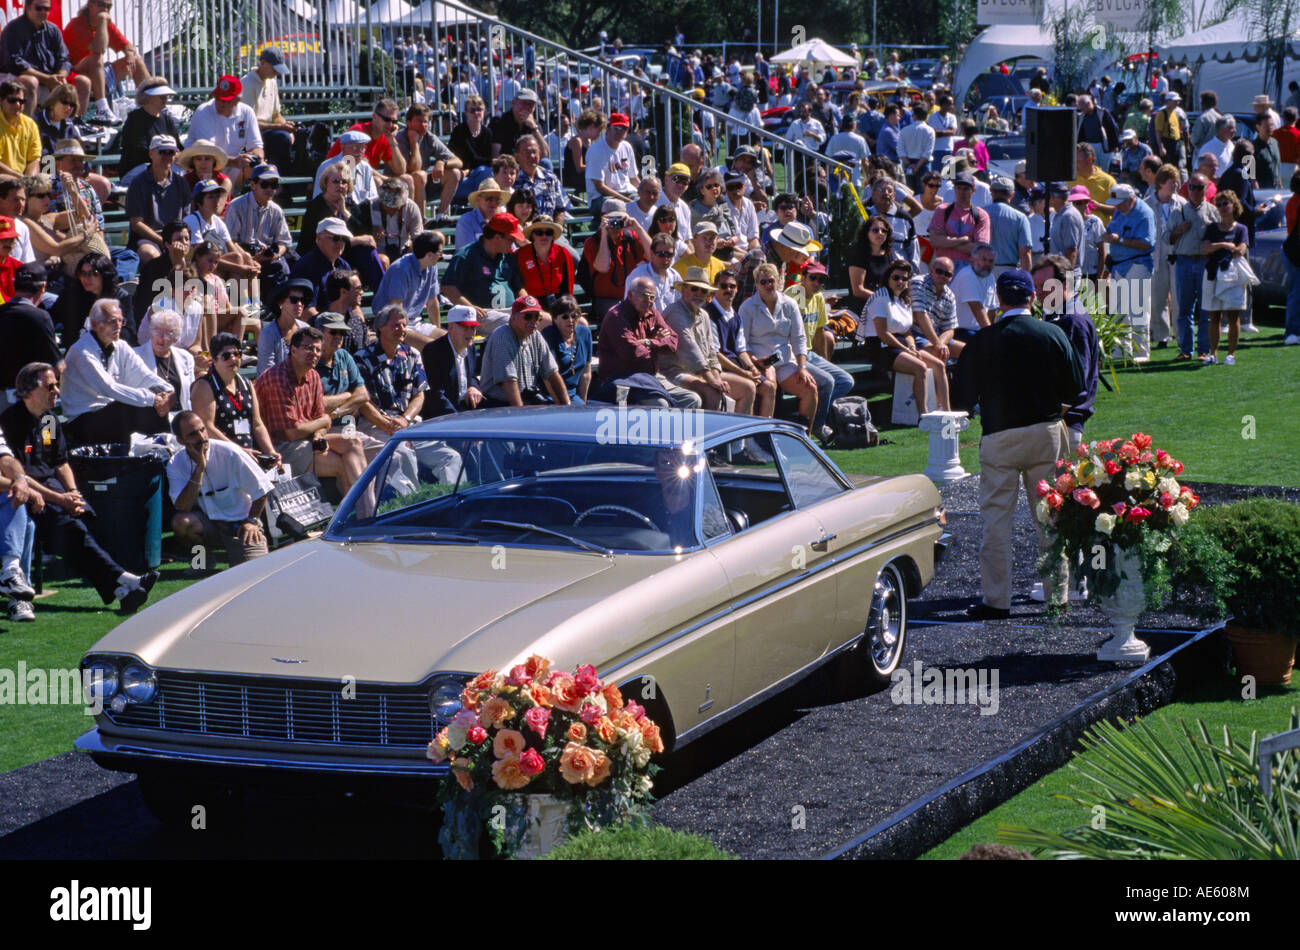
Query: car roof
{"type": "Point", "coordinates": [570, 422]}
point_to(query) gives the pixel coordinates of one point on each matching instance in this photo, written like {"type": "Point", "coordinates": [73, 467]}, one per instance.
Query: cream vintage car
{"type": "Point", "coordinates": [703, 561]}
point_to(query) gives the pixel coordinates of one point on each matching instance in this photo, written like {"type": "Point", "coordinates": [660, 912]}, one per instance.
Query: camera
{"type": "Point", "coordinates": [615, 222]}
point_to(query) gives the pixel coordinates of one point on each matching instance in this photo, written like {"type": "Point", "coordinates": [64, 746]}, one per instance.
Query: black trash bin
{"type": "Point", "coordinates": [126, 492]}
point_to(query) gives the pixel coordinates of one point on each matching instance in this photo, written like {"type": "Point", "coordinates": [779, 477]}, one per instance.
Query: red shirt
{"type": "Point", "coordinates": [285, 403]}
{"type": "Point", "coordinates": [8, 267]}
{"type": "Point", "coordinates": [624, 256]}
{"type": "Point", "coordinates": [1292, 206]}
{"type": "Point", "coordinates": [378, 150]}
{"type": "Point", "coordinates": [551, 276]}
{"type": "Point", "coordinates": [1288, 143]}
{"type": "Point", "coordinates": [77, 36]}
{"type": "Point", "coordinates": [949, 220]}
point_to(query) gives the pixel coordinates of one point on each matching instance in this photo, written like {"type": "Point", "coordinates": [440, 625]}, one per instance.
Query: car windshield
{"type": "Point", "coordinates": [586, 496]}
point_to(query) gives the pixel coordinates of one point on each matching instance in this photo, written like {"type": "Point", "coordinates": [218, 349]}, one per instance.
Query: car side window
{"type": "Point", "coordinates": [713, 518]}
{"type": "Point", "coordinates": [748, 480]}
{"type": "Point", "coordinates": [809, 479]}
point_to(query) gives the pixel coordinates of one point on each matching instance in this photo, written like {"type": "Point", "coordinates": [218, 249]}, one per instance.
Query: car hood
{"type": "Point", "coordinates": [375, 612]}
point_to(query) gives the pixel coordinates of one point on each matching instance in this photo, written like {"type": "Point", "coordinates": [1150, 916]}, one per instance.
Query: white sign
{"type": "Point", "coordinates": [1019, 12]}
{"type": "Point", "coordinates": [1118, 14]}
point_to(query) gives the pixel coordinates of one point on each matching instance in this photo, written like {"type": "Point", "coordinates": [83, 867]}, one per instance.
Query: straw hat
{"type": "Point", "coordinates": [542, 223]}
{"type": "Point", "coordinates": [488, 186]}
{"type": "Point", "coordinates": [202, 147]}
{"type": "Point", "coordinates": [698, 277]}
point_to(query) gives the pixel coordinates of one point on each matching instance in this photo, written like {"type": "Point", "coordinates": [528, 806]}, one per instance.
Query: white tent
{"type": "Point", "coordinates": [998, 44]}
{"type": "Point", "coordinates": [816, 51]}
{"type": "Point", "coordinates": [391, 11]}
{"type": "Point", "coordinates": [425, 12]}
{"type": "Point", "coordinates": [1227, 58]}
{"type": "Point", "coordinates": [344, 12]}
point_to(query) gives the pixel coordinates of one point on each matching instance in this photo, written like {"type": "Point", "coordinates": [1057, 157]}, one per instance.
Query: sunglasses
{"type": "Point", "coordinates": [1223, 204]}
{"type": "Point", "coordinates": [943, 273]}
{"type": "Point", "coordinates": [665, 255]}
{"type": "Point", "coordinates": [1195, 187]}
{"type": "Point", "coordinates": [566, 316]}
{"type": "Point", "coordinates": [736, 186]}
{"type": "Point", "coordinates": [817, 278]}
{"type": "Point", "coordinates": [897, 277]}
{"type": "Point", "coordinates": [15, 100]}
{"type": "Point", "coordinates": [390, 119]}
{"type": "Point", "coordinates": [726, 288]}
{"type": "Point", "coordinates": [531, 317]}
{"type": "Point", "coordinates": [679, 179]}
{"type": "Point", "coordinates": [229, 355]}
{"type": "Point", "coordinates": [269, 185]}
{"type": "Point", "coordinates": [337, 238]}
{"type": "Point", "coordinates": [766, 282]}
{"type": "Point", "coordinates": [296, 298]}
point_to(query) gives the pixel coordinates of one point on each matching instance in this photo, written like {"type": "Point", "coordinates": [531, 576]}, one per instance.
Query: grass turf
{"type": "Point", "coordinates": [630, 843]}
{"type": "Point", "coordinates": [1218, 705]}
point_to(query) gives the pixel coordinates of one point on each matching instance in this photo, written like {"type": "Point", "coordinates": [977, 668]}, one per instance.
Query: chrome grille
{"type": "Point", "coordinates": [286, 710]}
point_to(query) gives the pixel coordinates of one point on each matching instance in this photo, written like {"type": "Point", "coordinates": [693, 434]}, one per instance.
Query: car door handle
{"type": "Point", "coordinates": [824, 540]}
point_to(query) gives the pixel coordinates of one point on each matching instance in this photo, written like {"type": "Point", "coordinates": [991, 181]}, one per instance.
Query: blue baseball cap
{"type": "Point", "coordinates": [1015, 285]}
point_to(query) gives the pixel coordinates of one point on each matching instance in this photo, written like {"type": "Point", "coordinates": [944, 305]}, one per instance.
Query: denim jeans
{"type": "Point", "coordinates": [1292, 298]}
{"type": "Point", "coordinates": [17, 533]}
{"type": "Point", "coordinates": [1188, 272]}
{"type": "Point", "coordinates": [832, 383]}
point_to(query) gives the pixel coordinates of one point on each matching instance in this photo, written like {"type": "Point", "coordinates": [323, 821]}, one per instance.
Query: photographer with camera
{"type": "Point", "coordinates": [257, 224]}
{"type": "Point", "coordinates": [610, 255]}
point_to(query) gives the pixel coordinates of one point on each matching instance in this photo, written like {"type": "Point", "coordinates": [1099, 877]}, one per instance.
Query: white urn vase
{"type": "Point", "coordinates": [1122, 608]}
{"type": "Point", "coordinates": [546, 825]}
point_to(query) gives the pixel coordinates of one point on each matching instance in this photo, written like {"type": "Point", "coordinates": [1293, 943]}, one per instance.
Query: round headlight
{"type": "Point", "coordinates": [139, 683]}
{"type": "Point", "coordinates": [100, 681]}
{"type": "Point", "coordinates": [444, 699]}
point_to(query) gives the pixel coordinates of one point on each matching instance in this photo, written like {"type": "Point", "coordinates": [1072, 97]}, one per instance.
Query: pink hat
{"type": "Point", "coordinates": [1079, 193]}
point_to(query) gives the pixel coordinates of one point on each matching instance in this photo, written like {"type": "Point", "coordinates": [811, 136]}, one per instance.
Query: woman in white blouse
{"type": "Point", "coordinates": [887, 319]}
{"type": "Point", "coordinates": [774, 335]}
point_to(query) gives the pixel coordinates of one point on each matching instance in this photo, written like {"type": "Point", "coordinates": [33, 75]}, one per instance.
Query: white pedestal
{"type": "Point", "coordinates": [905, 410]}
{"type": "Point", "coordinates": [945, 428]}
{"type": "Point", "coordinates": [1122, 609]}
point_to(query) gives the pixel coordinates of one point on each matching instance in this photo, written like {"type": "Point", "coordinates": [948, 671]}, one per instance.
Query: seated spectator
{"type": "Point", "coordinates": [286, 306]}
{"type": "Point", "coordinates": [343, 292]}
{"type": "Point", "coordinates": [694, 364]}
{"type": "Point", "coordinates": [157, 195]}
{"type": "Point", "coordinates": [146, 122]}
{"type": "Point", "coordinates": [550, 197]}
{"type": "Point", "coordinates": [523, 205]}
{"type": "Point", "coordinates": [589, 125]}
{"type": "Point", "coordinates": [89, 36]}
{"type": "Point", "coordinates": [647, 201]}
{"type": "Point", "coordinates": [162, 357]}
{"type": "Point", "coordinates": [393, 219]}
{"type": "Point", "coordinates": [34, 56]}
{"type": "Point", "coordinates": [569, 338]}
{"type": "Point", "coordinates": [934, 311]}
{"type": "Point", "coordinates": [26, 330]}
{"type": "Point", "coordinates": [434, 168]}
{"type": "Point", "coordinates": [733, 351]}
{"type": "Point", "coordinates": [546, 265]}
{"type": "Point", "coordinates": [345, 390]}
{"type": "Point", "coordinates": [484, 202]}
{"type": "Point", "coordinates": [774, 334]}
{"type": "Point", "coordinates": [393, 376]}
{"type": "Point", "coordinates": [975, 289]}
{"type": "Point", "coordinates": [335, 202]}
{"type": "Point", "coordinates": [206, 226]}
{"type": "Point", "coordinates": [792, 247]}
{"type": "Point", "coordinates": [332, 239]}
{"type": "Point", "coordinates": [660, 270]}
{"type": "Point", "coordinates": [201, 300]}
{"type": "Point", "coordinates": [34, 430]}
{"type": "Point", "coordinates": [261, 93]}
{"type": "Point", "coordinates": [471, 142]}
{"type": "Point", "coordinates": [888, 320]}
{"type": "Point", "coordinates": [611, 169]}
{"type": "Point", "coordinates": [54, 122]}
{"type": "Point", "coordinates": [108, 392]}
{"type": "Point", "coordinates": [218, 491]}
{"type": "Point", "coordinates": [352, 150]}
{"type": "Point", "coordinates": [743, 213]}
{"type": "Point", "coordinates": [633, 337]}
{"type": "Point", "coordinates": [483, 275]}
{"type": "Point", "coordinates": [382, 156]}
{"type": "Point", "coordinates": [20, 140]}
{"type": "Point", "coordinates": [257, 225]}
{"type": "Point", "coordinates": [412, 281]}
{"type": "Point", "coordinates": [160, 276]}
{"type": "Point", "coordinates": [17, 535]}
{"type": "Point", "coordinates": [611, 254]}
{"type": "Point", "coordinates": [832, 382]}
{"type": "Point", "coordinates": [451, 366]}
{"type": "Point", "coordinates": [232, 126]}
{"type": "Point", "coordinates": [203, 161]}
{"type": "Point", "coordinates": [27, 201]}
{"type": "Point", "coordinates": [292, 403]}
{"type": "Point", "coordinates": [664, 221]}
{"type": "Point", "coordinates": [704, 240]}
{"type": "Point", "coordinates": [518, 367]}
{"type": "Point", "coordinates": [13, 204]}
{"type": "Point", "coordinates": [517, 120]}
{"type": "Point", "coordinates": [94, 279]}
{"type": "Point", "coordinates": [712, 206]}
{"type": "Point", "coordinates": [70, 160]}
{"type": "Point", "coordinates": [226, 402]}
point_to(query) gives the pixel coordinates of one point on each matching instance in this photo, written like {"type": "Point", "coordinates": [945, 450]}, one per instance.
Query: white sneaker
{"type": "Point", "coordinates": [1212, 361]}
{"type": "Point", "coordinates": [14, 583]}
{"type": "Point", "coordinates": [1292, 340]}
{"type": "Point", "coordinates": [1249, 328]}
{"type": "Point", "coordinates": [21, 611]}
{"type": "Point", "coordinates": [1036, 593]}
{"type": "Point", "coordinates": [1229, 360]}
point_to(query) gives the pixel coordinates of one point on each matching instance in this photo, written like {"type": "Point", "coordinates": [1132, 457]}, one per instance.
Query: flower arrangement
{"type": "Point", "coordinates": [536, 730]}
{"type": "Point", "coordinates": [1113, 496]}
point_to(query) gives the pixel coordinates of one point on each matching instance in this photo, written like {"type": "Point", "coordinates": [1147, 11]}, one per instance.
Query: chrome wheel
{"type": "Point", "coordinates": [886, 630]}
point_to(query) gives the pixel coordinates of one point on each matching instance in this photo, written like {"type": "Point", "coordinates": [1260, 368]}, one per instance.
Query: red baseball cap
{"type": "Point", "coordinates": [504, 223]}
{"type": "Point", "coordinates": [7, 229]}
{"type": "Point", "coordinates": [525, 304]}
{"type": "Point", "coordinates": [619, 118]}
{"type": "Point", "coordinates": [228, 87]}
{"type": "Point", "coordinates": [815, 268]}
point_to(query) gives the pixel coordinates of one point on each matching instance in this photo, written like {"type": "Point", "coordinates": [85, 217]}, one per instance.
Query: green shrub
{"type": "Point", "coordinates": [638, 843]}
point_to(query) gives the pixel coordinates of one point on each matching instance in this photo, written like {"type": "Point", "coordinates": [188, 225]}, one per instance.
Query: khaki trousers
{"type": "Point", "coordinates": [1008, 459]}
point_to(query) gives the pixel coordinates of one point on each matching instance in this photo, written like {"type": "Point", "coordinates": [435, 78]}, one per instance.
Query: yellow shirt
{"type": "Point", "coordinates": [20, 143]}
{"type": "Point", "coordinates": [813, 310]}
{"type": "Point", "coordinates": [1099, 185]}
{"type": "Point", "coordinates": [713, 265]}
{"type": "Point", "coordinates": [263, 96]}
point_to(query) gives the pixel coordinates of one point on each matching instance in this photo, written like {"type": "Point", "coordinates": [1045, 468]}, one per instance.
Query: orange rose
{"type": "Point", "coordinates": [496, 712]}
{"type": "Point", "coordinates": [508, 742]}
{"type": "Point", "coordinates": [577, 732]}
{"type": "Point", "coordinates": [541, 695]}
{"type": "Point", "coordinates": [627, 722]}
{"type": "Point", "coordinates": [606, 731]}
{"type": "Point", "coordinates": [564, 691]}
{"type": "Point", "coordinates": [536, 666]}
{"type": "Point", "coordinates": [650, 734]}
{"type": "Point", "coordinates": [601, 770]}
{"type": "Point", "coordinates": [577, 763]}
{"type": "Point", "coordinates": [462, 776]}
{"type": "Point", "coordinates": [482, 681]}
{"type": "Point", "coordinates": [469, 699]}
{"type": "Point", "coordinates": [613, 698]}
{"type": "Point", "coordinates": [507, 774]}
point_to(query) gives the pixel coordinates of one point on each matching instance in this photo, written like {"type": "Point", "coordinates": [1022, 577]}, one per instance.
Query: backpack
{"type": "Point", "coordinates": [850, 419]}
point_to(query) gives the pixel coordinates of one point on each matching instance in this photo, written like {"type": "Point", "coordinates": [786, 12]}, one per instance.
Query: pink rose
{"type": "Point", "coordinates": [1112, 467]}
{"type": "Point", "coordinates": [1065, 483]}
{"type": "Point", "coordinates": [1128, 451]}
{"type": "Point", "coordinates": [1162, 459]}
{"type": "Point", "coordinates": [1177, 466]}
{"type": "Point", "coordinates": [636, 711]}
{"type": "Point", "coordinates": [587, 680]}
{"type": "Point", "coordinates": [1086, 497]}
{"type": "Point", "coordinates": [1081, 451]}
{"type": "Point", "coordinates": [537, 719]}
{"type": "Point", "coordinates": [518, 676]}
{"type": "Point", "coordinates": [531, 763]}
{"type": "Point", "coordinates": [590, 714]}
{"type": "Point", "coordinates": [1142, 440]}
{"type": "Point", "coordinates": [1043, 488]}
{"type": "Point", "coordinates": [476, 735]}
{"type": "Point", "coordinates": [1137, 514]}
{"type": "Point", "coordinates": [1054, 500]}
{"type": "Point", "coordinates": [1119, 508]}
{"type": "Point", "coordinates": [1167, 500]}
{"type": "Point", "coordinates": [464, 719]}
{"type": "Point", "coordinates": [1145, 458]}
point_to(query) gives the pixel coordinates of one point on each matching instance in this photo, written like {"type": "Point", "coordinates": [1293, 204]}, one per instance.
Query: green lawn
{"type": "Point", "coordinates": [1218, 706]}
{"type": "Point", "coordinates": [1225, 423]}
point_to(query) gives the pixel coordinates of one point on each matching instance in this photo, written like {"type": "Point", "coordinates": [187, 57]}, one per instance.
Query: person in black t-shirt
{"type": "Point", "coordinates": [471, 140]}
{"type": "Point", "coordinates": [516, 121]}
{"type": "Point", "coordinates": [144, 123]}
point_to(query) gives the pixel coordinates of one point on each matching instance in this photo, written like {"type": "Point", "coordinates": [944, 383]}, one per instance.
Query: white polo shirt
{"type": "Point", "coordinates": [230, 484]}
